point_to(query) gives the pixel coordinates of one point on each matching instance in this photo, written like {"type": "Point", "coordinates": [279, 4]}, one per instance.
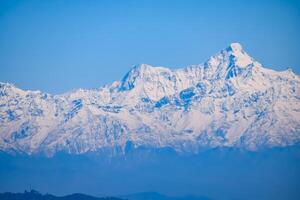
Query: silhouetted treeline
{"type": "Point", "coordinates": [34, 195]}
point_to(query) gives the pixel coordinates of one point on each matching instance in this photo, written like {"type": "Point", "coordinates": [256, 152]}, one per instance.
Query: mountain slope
{"type": "Point", "coordinates": [229, 101]}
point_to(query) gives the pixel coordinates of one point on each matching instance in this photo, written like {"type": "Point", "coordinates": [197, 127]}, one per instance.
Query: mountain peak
{"type": "Point", "coordinates": [2, 85]}
{"type": "Point", "coordinates": [141, 72]}
{"type": "Point", "coordinates": [140, 69]}
{"type": "Point", "coordinates": [237, 55]}
{"type": "Point", "coordinates": [128, 80]}
{"type": "Point", "coordinates": [142, 66]}
{"type": "Point", "coordinates": [8, 88]}
{"type": "Point", "coordinates": [235, 47]}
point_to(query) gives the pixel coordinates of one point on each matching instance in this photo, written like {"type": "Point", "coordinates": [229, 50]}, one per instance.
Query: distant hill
{"type": "Point", "coordinates": [158, 196]}
{"type": "Point", "coordinates": [34, 195]}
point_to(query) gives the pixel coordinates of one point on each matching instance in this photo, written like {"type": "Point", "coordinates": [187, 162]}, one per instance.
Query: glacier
{"type": "Point", "coordinates": [231, 101]}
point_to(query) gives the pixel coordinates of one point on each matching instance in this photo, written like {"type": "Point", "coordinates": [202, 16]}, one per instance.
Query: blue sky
{"type": "Point", "coordinates": [57, 45]}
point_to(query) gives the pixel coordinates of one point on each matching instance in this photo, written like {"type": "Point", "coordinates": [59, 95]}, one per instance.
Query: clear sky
{"type": "Point", "coordinates": [59, 45]}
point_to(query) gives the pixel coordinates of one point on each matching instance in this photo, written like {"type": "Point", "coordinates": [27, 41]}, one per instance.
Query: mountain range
{"type": "Point", "coordinates": [229, 101]}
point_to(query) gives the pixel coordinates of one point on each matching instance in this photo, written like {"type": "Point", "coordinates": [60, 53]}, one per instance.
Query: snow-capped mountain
{"type": "Point", "coordinates": [229, 101]}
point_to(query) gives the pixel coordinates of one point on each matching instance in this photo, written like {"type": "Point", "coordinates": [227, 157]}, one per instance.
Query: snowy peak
{"type": "Point", "coordinates": [237, 56]}
{"type": "Point", "coordinates": [7, 89]}
{"type": "Point", "coordinates": [138, 72]}
{"type": "Point", "coordinates": [6, 85]}
{"type": "Point", "coordinates": [155, 83]}
{"type": "Point", "coordinates": [148, 81]}
{"type": "Point", "coordinates": [231, 62]}
{"type": "Point", "coordinates": [226, 64]}
{"type": "Point", "coordinates": [143, 71]}
{"type": "Point", "coordinates": [235, 47]}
